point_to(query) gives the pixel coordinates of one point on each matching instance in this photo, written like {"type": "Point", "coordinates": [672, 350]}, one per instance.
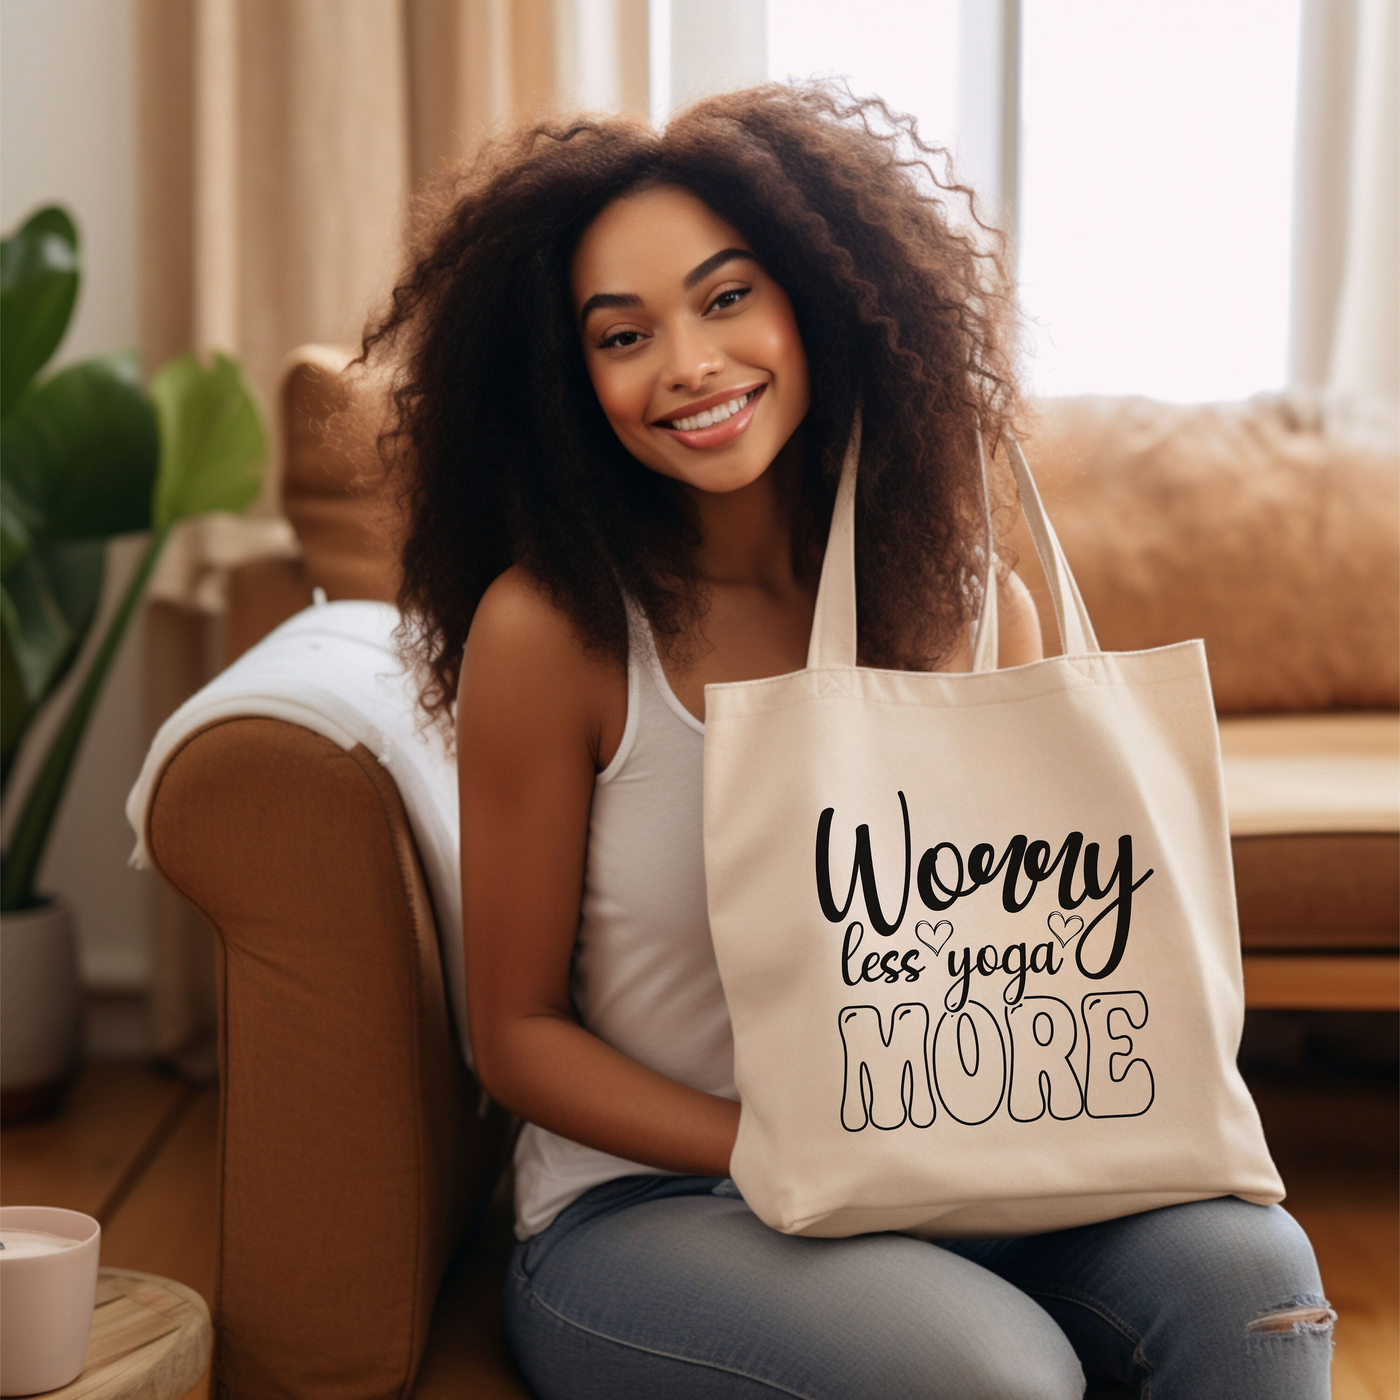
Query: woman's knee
{"type": "Point", "coordinates": [1253, 1264]}
{"type": "Point", "coordinates": [1275, 1252]}
{"type": "Point", "coordinates": [1263, 1244]}
{"type": "Point", "coordinates": [1237, 1304]}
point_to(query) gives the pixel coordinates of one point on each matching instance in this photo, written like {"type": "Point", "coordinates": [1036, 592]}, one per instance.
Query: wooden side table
{"type": "Point", "coordinates": [151, 1340]}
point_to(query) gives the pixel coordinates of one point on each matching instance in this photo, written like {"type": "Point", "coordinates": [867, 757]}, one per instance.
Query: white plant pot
{"type": "Point", "coordinates": [40, 1007]}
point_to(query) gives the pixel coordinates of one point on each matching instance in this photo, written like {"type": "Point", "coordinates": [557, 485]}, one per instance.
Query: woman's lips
{"type": "Point", "coordinates": [717, 434]}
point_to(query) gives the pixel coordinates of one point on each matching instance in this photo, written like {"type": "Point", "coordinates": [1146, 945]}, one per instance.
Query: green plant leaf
{"type": "Point", "coordinates": [46, 607]}
{"type": "Point", "coordinates": [17, 524]}
{"type": "Point", "coordinates": [79, 453]}
{"type": "Point", "coordinates": [29, 837]}
{"type": "Point", "coordinates": [39, 275]}
{"type": "Point", "coordinates": [212, 440]}
{"type": "Point", "coordinates": [15, 710]}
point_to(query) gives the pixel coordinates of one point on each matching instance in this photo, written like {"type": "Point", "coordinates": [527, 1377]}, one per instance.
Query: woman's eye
{"type": "Point", "coordinates": [738, 293]}
{"type": "Point", "coordinates": [620, 338]}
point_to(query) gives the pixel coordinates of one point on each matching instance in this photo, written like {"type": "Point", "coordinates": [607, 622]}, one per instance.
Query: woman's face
{"type": "Point", "coordinates": [692, 348]}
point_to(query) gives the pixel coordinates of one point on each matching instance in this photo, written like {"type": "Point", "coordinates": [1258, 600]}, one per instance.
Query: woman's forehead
{"type": "Point", "coordinates": [656, 235]}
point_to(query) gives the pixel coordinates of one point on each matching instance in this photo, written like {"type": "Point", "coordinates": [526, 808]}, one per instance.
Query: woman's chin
{"type": "Point", "coordinates": [723, 478]}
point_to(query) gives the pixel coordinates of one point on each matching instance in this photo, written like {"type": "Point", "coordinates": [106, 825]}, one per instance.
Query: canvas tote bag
{"type": "Point", "coordinates": [977, 931]}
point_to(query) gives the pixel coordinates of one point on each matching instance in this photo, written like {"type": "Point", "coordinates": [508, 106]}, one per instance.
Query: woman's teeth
{"type": "Point", "coordinates": [710, 416]}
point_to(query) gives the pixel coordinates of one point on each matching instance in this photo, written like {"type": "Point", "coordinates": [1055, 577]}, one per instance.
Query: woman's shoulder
{"type": "Point", "coordinates": [1018, 627]}
{"type": "Point", "coordinates": [516, 616]}
{"type": "Point", "coordinates": [520, 629]}
{"type": "Point", "coordinates": [525, 662]}
{"type": "Point", "coordinates": [1018, 622]}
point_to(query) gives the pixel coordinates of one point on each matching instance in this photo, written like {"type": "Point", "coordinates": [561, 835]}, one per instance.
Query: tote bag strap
{"type": "Point", "coordinates": [984, 645]}
{"type": "Point", "coordinates": [833, 640]}
{"type": "Point", "coordinates": [1071, 616]}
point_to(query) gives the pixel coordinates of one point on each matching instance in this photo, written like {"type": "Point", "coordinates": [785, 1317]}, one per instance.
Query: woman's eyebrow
{"type": "Point", "coordinates": [603, 299]}
{"type": "Point", "coordinates": [713, 263]}
{"type": "Point", "coordinates": [692, 279]}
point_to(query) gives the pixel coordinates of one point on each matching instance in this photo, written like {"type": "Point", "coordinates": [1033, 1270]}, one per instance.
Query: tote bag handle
{"type": "Point", "coordinates": [833, 641]}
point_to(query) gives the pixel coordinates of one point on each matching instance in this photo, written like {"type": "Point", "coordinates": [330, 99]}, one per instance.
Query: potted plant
{"type": "Point", "coordinates": [86, 454]}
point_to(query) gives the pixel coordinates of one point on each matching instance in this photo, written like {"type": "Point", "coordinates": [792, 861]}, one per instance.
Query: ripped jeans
{"type": "Point", "coordinates": [670, 1286]}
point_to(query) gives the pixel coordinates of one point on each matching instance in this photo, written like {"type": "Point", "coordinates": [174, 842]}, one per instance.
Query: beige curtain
{"type": "Point", "coordinates": [1345, 333]}
{"type": "Point", "coordinates": [279, 140]}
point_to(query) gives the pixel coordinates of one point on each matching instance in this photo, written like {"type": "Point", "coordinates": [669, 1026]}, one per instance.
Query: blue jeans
{"type": "Point", "coordinates": [670, 1288]}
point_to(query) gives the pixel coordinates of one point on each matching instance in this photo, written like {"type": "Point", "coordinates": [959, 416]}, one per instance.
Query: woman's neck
{"type": "Point", "coordinates": [746, 536]}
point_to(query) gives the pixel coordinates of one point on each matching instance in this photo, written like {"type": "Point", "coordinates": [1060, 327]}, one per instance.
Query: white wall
{"type": "Point", "coordinates": [68, 135]}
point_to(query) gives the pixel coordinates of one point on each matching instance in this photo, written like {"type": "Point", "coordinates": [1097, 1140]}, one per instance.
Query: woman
{"type": "Point", "coordinates": [630, 363]}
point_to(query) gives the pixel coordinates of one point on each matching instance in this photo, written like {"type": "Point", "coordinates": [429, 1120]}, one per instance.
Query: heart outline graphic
{"type": "Point", "coordinates": [934, 931]}
{"type": "Point", "coordinates": [1072, 926]}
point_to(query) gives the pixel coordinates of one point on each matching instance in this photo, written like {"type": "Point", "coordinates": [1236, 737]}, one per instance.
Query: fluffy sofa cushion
{"type": "Point", "coordinates": [1238, 523]}
{"type": "Point", "coordinates": [333, 489]}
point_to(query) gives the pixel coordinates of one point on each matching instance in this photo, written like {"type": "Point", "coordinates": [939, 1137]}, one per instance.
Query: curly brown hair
{"type": "Point", "coordinates": [503, 452]}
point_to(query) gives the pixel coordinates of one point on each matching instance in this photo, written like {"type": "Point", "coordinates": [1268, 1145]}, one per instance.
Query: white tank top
{"type": "Point", "coordinates": [644, 977]}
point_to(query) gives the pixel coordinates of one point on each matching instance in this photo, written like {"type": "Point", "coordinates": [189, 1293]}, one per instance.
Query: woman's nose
{"type": "Point", "coordinates": [694, 358]}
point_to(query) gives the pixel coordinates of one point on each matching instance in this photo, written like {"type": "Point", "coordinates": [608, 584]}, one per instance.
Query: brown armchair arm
{"type": "Point", "coordinates": [351, 1155]}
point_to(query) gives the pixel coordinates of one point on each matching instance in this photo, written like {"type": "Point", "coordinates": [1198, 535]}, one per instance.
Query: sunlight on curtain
{"type": "Point", "coordinates": [1156, 194]}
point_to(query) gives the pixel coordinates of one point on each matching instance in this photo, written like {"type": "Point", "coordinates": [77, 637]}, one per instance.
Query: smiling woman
{"type": "Point", "coordinates": [681, 376]}
{"type": "Point", "coordinates": [557, 461]}
{"type": "Point", "coordinates": [632, 363]}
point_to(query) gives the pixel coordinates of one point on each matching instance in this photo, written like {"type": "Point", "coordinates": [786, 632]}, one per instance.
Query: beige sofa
{"type": "Point", "coordinates": [1245, 525]}
{"type": "Point", "coordinates": [357, 1157]}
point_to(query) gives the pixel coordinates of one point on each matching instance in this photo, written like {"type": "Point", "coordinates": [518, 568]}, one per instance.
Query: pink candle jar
{"type": "Point", "coordinates": [48, 1285]}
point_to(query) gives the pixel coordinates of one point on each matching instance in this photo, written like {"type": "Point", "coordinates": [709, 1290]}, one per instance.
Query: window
{"type": "Point", "coordinates": [906, 51]}
{"type": "Point", "coordinates": [1156, 188]}
{"type": "Point", "coordinates": [1147, 158]}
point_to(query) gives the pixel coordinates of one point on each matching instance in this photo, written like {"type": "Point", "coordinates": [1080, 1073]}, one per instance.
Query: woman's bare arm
{"type": "Point", "coordinates": [533, 708]}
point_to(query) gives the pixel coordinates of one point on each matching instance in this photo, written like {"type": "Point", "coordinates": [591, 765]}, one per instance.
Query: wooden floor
{"type": "Point", "coordinates": [136, 1150]}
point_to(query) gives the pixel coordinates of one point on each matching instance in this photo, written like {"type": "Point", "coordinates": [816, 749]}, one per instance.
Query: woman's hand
{"type": "Point", "coordinates": [536, 717]}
